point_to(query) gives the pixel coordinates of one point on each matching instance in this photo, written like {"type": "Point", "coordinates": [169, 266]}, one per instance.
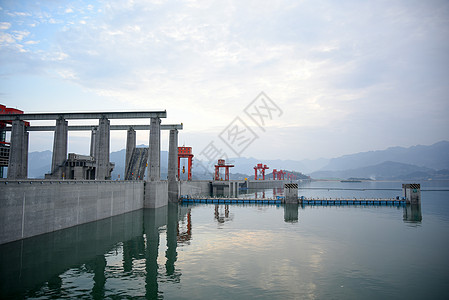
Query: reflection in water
{"type": "Point", "coordinates": [63, 262]}
{"type": "Point", "coordinates": [184, 230]}
{"type": "Point", "coordinates": [412, 213]}
{"type": "Point", "coordinates": [291, 212]}
{"type": "Point", "coordinates": [90, 259]}
{"type": "Point", "coordinates": [172, 241]}
{"type": "Point", "coordinates": [278, 192]}
{"type": "Point", "coordinates": [98, 265]}
{"type": "Point", "coordinates": [219, 215]}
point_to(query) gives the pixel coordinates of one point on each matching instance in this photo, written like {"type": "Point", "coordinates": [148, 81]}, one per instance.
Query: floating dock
{"type": "Point", "coordinates": [302, 201]}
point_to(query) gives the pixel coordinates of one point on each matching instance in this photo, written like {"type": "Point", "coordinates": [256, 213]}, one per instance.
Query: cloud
{"type": "Point", "coordinates": [4, 25]}
{"type": "Point", "coordinates": [325, 63]}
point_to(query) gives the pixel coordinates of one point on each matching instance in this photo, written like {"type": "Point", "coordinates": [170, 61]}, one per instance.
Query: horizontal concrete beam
{"type": "Point", "coordinates": [90, 127]}
{"type": "Point", "coordinates": [86, 115]}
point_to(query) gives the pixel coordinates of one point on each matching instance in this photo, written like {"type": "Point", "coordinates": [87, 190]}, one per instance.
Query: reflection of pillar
{"type": "Point", "coordinates": [127, 256]}
{"type": "Point", "coordinates": [99, 266]}
{"type": "Point", "coordinates": [154, 170]}
{"type": "Point", "coordinates": [172, 234]}
{"type": "Point", "coordinates": [15, 166]}
{"type": "Point", "coordinates": [412, 213]}
{"type": "Point", "coordinates": [55, 285]}
{"type": "Point", "coordinates": [151, 266]}
{"type": "Point", "coordinates": [291, 212]}
{"type": "Point", "coordinates": [59, 147]}
{"type": "Point", "coordinates": [130, 145]}
{"type": "Point", "coordinates": [102, 151]}
{"type": "Point", "coordinates": [172, 166]}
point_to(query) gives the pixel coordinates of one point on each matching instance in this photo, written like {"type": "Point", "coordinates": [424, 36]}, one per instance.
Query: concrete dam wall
{"type": "Point", "coordinates": [33, 207]}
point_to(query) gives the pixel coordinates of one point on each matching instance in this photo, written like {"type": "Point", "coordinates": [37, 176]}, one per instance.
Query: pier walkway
{"type": "Point", "coordinates": [302, 201]}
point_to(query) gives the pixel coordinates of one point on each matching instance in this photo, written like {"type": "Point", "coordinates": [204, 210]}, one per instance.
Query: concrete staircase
{"type": "Point", "coordinates": [137, 164]}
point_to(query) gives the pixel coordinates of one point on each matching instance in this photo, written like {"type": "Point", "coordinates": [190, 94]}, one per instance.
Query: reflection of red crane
{"type": "Point", "coordinates": [260, 169]}
{"type": "Point", "coordinates": [184, 237]}
{"type": "Point", "coordinates": [219, 217]}
{"type": "Point", "coordinates": [185, 152]}
{"type": "Point", "coordinates": [222, 164]}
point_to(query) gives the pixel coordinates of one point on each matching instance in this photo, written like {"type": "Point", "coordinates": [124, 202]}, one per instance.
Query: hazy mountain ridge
{"type": "Point", "coordinates": [427, 162]}
{"type": "Point", "coordinates": [435, 156]}
{"type": "Point", "coordinates": [388, 170]}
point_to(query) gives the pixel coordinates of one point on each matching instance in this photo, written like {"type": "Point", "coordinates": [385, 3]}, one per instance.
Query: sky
{"type": "Point", "coordinates": [264, 79]}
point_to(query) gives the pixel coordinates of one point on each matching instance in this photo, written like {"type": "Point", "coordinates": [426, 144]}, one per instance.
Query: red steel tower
{"type": "Point", "coordinates": [278, 175]}
{"type": "Point", "coordinates": [222, 164]}
{"type": "Point", "coordinates": [259, 170]}
{"type": "Point", "coordinates": [185, 152]}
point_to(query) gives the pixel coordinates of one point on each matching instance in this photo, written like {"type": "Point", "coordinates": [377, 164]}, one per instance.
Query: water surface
{"type": "Point", "coordinates": [245, 251]}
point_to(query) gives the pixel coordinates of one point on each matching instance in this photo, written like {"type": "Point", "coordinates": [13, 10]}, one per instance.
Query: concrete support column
{"type": "Point", "coordinates": [130, 145]}
{"type": "Point", "coordinates": [59, 147]}
{"type": "Point", "coordinates": [18, 150]}
{"type": "Point", "coordinates": [154, 170]}
{"type": "Point", "coordinates": [412, 193]}
{"type": "Point", "coordinates": [173, 155]}
{"type": "Point", "coordinates": [26, 138]}
{"type": "Point", "coordinates": [291, 193]}
{"type": "Point", "coordinates": [93, 143]}
{"type": "Point", "coordinates": [102, 150]}
{"type": "Point", "coordinates": [173, 166]}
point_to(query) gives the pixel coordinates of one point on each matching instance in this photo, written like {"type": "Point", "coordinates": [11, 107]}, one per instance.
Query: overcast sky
{"type": "Point", "coordinates": [339, 77]}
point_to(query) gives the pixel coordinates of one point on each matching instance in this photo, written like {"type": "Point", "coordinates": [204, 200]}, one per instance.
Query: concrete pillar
{"type": "Point", "coordinates": [130, 145]}
{"type": "Point", "coordinates": [93, 143]}
{"type": "Point", "coordinates": [412, 193]}
{"type": "Point", "coordinates": [59, 147]}
{"type": "Point", "coordinates": [154, 170]}
{"type": "Point", "coordinates": [173, 166]}
{"type": "Point", "coordinates": [26, 138]}
{"type": "Point", "coordinates": [173, 155]}
{"type": "Point", "coordinates": [291, 193]}
{"type": "Point", "coordinates": [17, 150]}
{"type": "Point", "coordinates": [102, 150]}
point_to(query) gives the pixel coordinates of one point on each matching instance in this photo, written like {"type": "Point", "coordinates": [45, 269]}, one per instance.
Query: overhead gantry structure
{"type": "Point", "coordinates": [100, 140]}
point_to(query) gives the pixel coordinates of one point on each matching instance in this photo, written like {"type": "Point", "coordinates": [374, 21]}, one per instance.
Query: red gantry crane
{"type": "Point", "coordinates": [259, 171]}
{"type": "Point", "coordinates": [4, 145]}
{"type": "Point", "coordinates": [222, 164]}
{"type": "Point", "coordinates": [185, 152]}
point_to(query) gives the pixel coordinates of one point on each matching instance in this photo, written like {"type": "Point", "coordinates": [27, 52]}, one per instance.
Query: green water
{"type": "Point", "coordinates": [245, 251]}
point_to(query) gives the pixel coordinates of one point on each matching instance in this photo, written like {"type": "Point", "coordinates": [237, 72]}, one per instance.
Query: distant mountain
{"type": "Point", "coordinates": [385, 171]}
{"type": "Point", "coordinates": [392, 163]}
{"type": "Point", "coordinates": [435, 156]}
{"type": "Point", "coordinates": [39, 163]}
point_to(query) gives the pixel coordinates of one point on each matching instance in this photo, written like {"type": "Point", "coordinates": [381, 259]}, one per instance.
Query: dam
{"type": "Point", "coordinates": [78, 189]}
